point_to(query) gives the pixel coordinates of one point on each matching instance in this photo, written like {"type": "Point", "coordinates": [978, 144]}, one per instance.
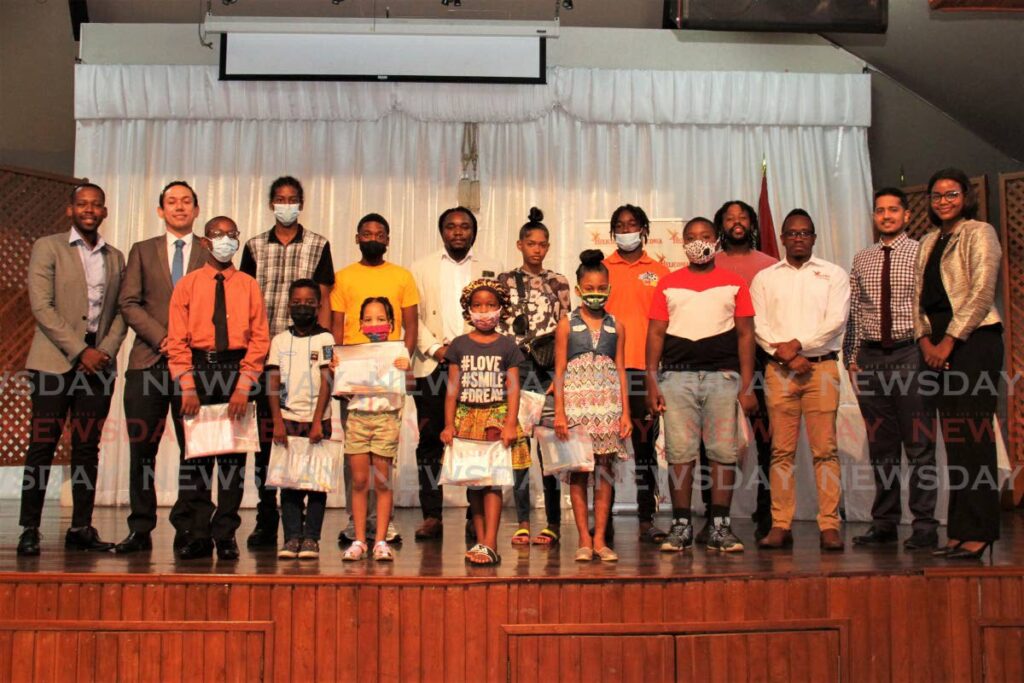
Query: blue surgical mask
{"type": "Point", "coordinates": [224, 248]}
{"type": "Point", "coordinates": [286, 214]}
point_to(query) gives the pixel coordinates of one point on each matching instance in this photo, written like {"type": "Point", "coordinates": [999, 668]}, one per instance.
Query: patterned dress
{"type": "Point", "coordinates": [593, 399]}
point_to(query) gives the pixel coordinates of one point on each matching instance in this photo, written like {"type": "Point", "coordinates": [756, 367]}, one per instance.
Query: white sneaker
{"type": "Point", "coordinates": [393, 536]}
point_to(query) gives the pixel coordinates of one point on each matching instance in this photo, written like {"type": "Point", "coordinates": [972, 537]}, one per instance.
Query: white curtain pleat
{"type": "Point", "coordinates": [676, 143]}
{"type": "Point", "coordinates": [626, 96]}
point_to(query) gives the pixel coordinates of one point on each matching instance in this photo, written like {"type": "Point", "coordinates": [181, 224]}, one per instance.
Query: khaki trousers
{"type": "Point", "coordinates": [815, 397]}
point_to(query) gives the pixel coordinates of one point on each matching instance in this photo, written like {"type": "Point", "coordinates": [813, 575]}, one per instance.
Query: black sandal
{"type": "Point", "coordinates": [493, 558]}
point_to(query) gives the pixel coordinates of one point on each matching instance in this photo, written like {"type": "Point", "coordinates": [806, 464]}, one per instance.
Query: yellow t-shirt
{"type": "Point", "coordinates": [356, 283]}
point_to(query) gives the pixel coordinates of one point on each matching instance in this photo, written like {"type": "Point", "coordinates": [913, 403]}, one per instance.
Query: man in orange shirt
{"type": "Point", "coordinates": [217, 340]}
{"type": "Point", "coordinates": [634, 276]}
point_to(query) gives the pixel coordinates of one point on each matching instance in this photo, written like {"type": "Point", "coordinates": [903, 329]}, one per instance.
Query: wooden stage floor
{"type": "Point", "coordinates": [861, 615]}
{"type": "Point", "coordinates": [444, 559]}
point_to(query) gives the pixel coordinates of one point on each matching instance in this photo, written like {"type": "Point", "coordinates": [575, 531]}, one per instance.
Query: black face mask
{"type": "Point", "coordinates": [372, 249]}
{"type": "Point", "coordinates": [303, 315]}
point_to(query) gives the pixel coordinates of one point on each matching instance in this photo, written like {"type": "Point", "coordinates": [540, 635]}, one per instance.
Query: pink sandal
{"type": "Point", "coordinates": [355, 552]}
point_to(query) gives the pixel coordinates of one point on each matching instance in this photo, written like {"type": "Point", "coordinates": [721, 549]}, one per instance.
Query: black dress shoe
{"type": "Point", "coordinates": [28, 544]}
{"type": "Point", "coordinates": [262, 537]}
{"type": "Point", "coordinates": [922, 540]}
{"type": "Point", "coordinates": [86, 538]}
{"type": "Point", "coordinates": [227, 549]}
{"type": "Point", "coordinates": [181, 539]}
{"type": "Point", "coordinates": [876, 536]}
{"type": "Point", "coordinates": [196, 548]}
{"type": "Point", "coordinates": [763, 525]}
{"type": "Point", "coordinates": [133, 543]}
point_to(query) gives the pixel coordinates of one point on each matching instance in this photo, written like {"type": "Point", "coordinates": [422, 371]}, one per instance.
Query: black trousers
{"type": "Point", "coordinates": [762, 429]}
{"type": "Point", "coordinates": [430, 396]}
{"type": "Point", "coordinates": [84, 401]}
{"type": "Point", "coordinates": [214, 384]}
{"type": "Point", "coordinates": [969, 399]}
{"type": "Point", "coordinates": [897, 419]}
{"type": "Point", "coordinates": [267, 515]}
{"type": "Point", "coordinates": [148, 394]}
{"type": "Point", "coordinates": [645, 460]}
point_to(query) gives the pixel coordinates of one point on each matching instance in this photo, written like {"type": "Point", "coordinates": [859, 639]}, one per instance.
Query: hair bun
{"type": "Point", "coordinates": [591, 257]}
{"type": "Point", "coordinates": [536, 215]}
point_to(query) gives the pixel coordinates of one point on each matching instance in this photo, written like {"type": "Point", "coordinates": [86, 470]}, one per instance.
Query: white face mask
{"type": "Point", "coordinates": [286, 214]}
{"type": "Point", "coordinates": [224, 248]}
{"type": "Point", "coordinates": [700, 252]}
{"type": "Point", "coordinates": [628, 241]}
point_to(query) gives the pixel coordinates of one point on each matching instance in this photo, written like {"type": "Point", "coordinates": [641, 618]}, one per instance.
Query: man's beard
{"type": "Point", "coordinates": [745, 239]}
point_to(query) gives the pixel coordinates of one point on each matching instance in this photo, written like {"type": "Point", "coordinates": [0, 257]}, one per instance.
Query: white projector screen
{"type": "Point", "coordinates": [382, 57]}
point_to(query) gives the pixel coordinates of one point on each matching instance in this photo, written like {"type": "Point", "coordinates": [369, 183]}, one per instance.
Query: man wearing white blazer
{"type": "Point", "coordinates": [440, 278]}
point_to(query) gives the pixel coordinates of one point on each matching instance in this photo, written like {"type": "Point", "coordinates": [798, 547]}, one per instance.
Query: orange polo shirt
{"type": "Point", "coordinates": [190, 323]}
{"type": "Point", "coordinates": [633, 286]}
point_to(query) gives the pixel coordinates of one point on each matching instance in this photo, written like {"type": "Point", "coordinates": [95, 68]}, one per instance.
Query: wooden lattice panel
{"type": "Point", "coordinates": [1011, 209]}
{"type": "Point", "coordinates": [31, 205]}
{"type": "Point", "coordinates": [917, 201]}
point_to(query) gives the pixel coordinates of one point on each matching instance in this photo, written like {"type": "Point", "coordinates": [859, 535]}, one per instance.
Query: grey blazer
{"type": "Point", "coordinates": [146, 295]}
{"type": "Point", "coordinates": [58, 295]}
{"type": "Point", "coordinates": [970, 270]}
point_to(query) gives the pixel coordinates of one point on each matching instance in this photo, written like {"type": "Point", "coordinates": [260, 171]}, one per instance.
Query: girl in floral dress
{"type": "Point", "coordinates": [591, 393]}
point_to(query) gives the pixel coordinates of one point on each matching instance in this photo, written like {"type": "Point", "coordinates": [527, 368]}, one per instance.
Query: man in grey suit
{"type": "Point", "coordinates": [154, 267]}
{"type": "Point", "coordinates": [73, 282]}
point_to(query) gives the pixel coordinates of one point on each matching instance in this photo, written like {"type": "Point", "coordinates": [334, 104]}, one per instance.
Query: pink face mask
{"type": "Point", "coordinates": [376, 333]}
{"type": "Point", "coordinates": [485, 322]}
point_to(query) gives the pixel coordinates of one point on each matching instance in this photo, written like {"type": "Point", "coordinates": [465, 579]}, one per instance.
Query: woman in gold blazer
{"type": "Point", "coordinates": [961, 337]}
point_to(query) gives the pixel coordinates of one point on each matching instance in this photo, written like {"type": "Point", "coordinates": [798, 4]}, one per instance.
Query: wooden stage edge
{"type": "Point", "coordinates": [857, 616]}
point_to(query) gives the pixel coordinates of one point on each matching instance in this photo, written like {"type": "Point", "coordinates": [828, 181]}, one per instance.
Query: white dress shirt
{"type": "Point", "coordinates": [95, 267]}
{"type": "Point", "coordinates": [809, 304]}
{"type": "Point", "coordinates": [186, 251]}
{"type": "Point", "coordinates": [455, 275]}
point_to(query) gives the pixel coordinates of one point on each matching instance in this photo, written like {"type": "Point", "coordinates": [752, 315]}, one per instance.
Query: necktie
{"type": "Point", "coordinates": [178, 265]}
{"type": "Point", "coordinates": [220, 315]}
{"type": "Point", "coordinates": [887, 297]}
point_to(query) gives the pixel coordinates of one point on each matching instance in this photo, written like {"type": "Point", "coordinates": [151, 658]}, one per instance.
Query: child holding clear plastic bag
{"type": "Point", "coordinates": [591, 392]}
{"type": "Point", "coordinates": [372, 426]}
{"type": "Point", "coordinates": [299, 392]}
{"type": "Point", "coordinates": [483, 400]}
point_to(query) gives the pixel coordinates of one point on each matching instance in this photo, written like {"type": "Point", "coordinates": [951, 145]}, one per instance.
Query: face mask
{"type": "Point", "coordinates": [700, 252]}
{"type": "Point", "coordinates": [303, 315]}
{"type": "Point", "coordinates": [485, 322]}
{"type": "Point", "coordinates": [376, 333]}
{"type": "Point", "coordinates": [286, 214]}
{"type": "Point", "coordinates": [629, 241]}
{"type": "Point", "coordinates": [224, 248]}
{"type": "Point", "coordinates": [595, 301]}
{"type": "Point", "coordinates": [372, 249]}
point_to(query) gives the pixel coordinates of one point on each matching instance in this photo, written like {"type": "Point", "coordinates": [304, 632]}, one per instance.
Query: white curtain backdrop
{"type": "Point", "coordinates": [676, 143]}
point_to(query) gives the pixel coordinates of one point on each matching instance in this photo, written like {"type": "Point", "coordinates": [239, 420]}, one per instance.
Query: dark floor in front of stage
{"type": "Point", "coordinates": [436, 559]}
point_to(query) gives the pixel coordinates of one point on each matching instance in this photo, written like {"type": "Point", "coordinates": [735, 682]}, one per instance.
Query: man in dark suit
{"type": "Point", "coordinates": [73, 282]}
{"type": "Point", "coordinates": [154, 267]}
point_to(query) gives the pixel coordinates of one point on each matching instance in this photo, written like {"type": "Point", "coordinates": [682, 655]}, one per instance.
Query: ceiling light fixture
{"type": "Point", "coordinates": [567, 4]}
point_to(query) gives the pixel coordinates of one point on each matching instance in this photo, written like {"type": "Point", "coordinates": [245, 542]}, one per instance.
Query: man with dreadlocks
{"type": "Point", "coordinates": [738, 237]}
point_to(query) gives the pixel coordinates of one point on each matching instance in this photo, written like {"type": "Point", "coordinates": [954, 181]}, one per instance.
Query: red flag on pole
{"type": "Point", "coordinates": [764, 217]}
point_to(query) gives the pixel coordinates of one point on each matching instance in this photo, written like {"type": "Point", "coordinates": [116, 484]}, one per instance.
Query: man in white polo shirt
{"type": "Point", "coordinates": [801, 304]}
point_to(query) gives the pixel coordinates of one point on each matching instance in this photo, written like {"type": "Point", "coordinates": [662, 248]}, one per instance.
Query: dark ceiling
{"type": "Point", "coordinates": [968, 64]}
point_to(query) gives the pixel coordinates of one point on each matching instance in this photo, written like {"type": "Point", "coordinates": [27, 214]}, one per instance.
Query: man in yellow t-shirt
{"type": "Point", "coordinates": [372, 276]}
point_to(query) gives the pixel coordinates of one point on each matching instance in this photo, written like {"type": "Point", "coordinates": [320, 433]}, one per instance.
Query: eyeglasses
{"type": "Point", "coordinates": [217, 235]}
{"type": "Point", "coordinates": [950, 196]}
{"type": "Point", "coordinates": [798, 234]}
